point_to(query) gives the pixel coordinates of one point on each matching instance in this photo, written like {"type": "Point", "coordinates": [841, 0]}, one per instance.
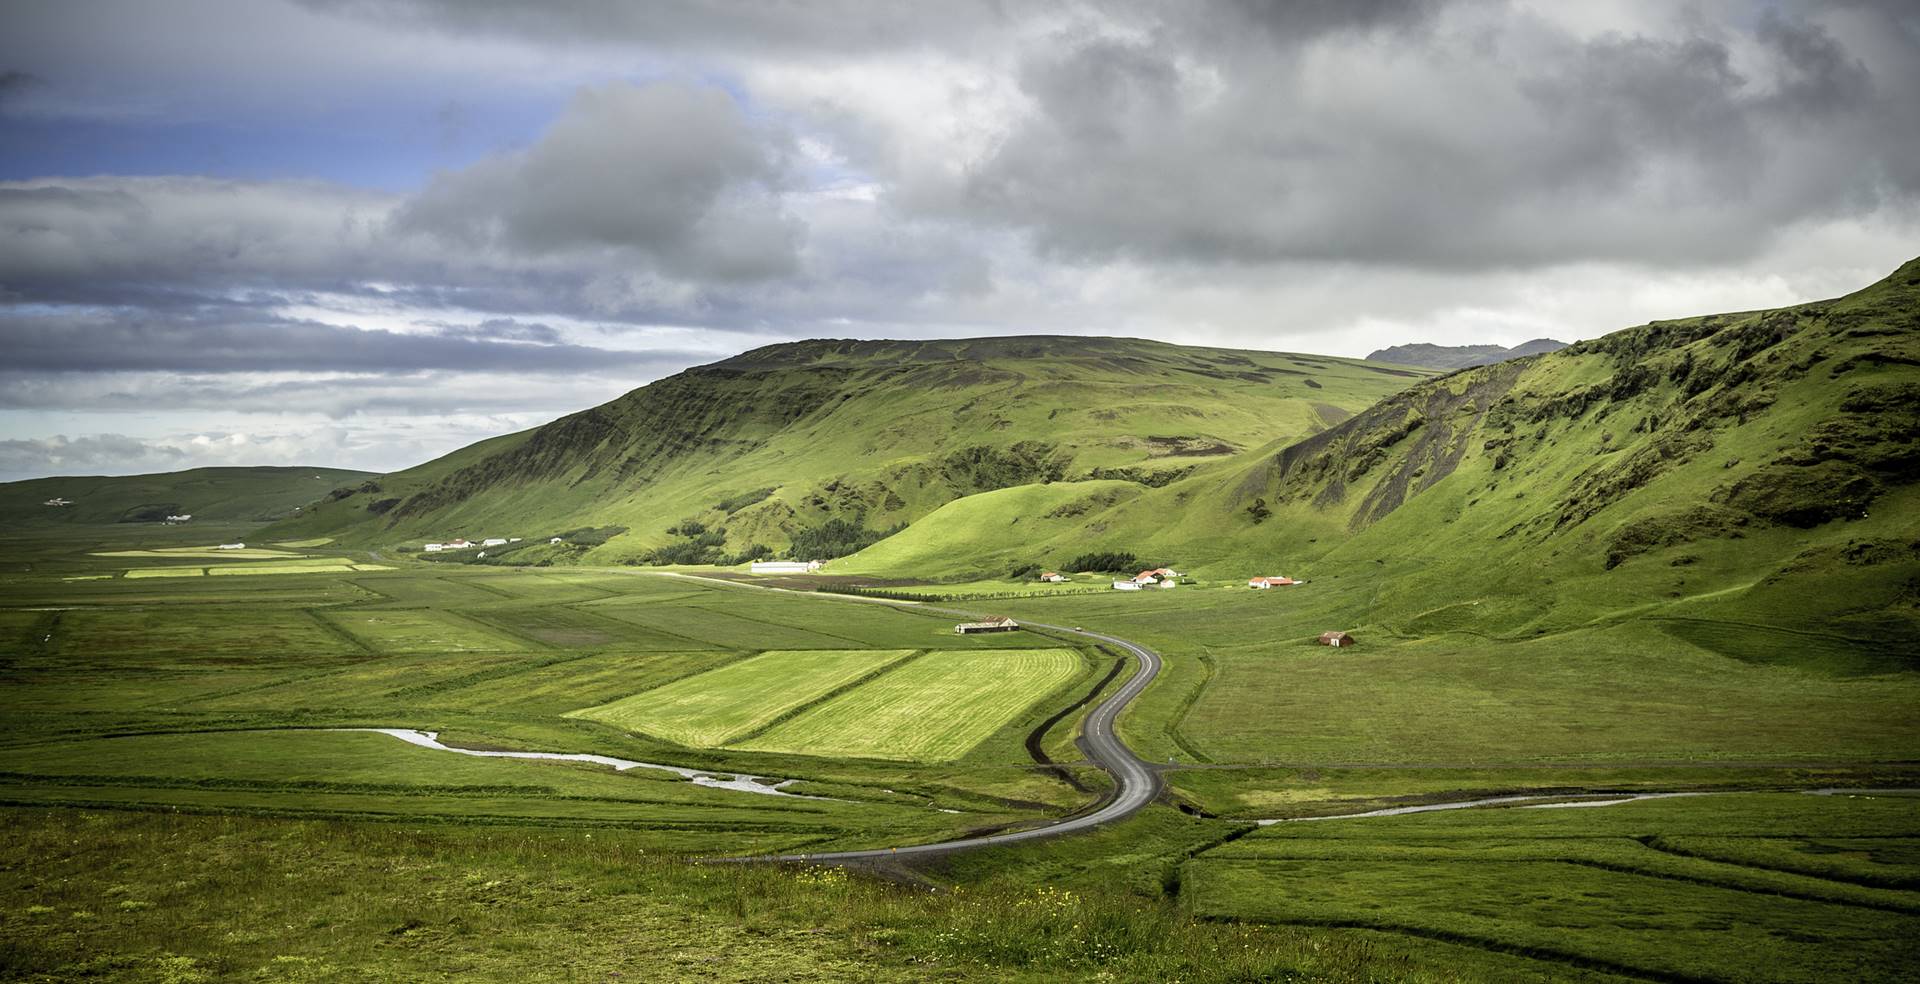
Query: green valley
{"type": "Point", "coordinates": [1630, 695]}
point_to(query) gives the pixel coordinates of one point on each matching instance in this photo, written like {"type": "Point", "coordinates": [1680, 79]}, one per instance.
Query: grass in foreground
{"type": "Point", "coordinates": [156, 897]}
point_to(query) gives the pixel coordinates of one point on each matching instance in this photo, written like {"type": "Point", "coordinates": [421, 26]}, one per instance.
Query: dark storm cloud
{"type": "Point", "coordinates": [13, 82]}
{"type": "Point", "coordinates": [217, 342]}
{"type": "Point", "coordinates": [671, 172]}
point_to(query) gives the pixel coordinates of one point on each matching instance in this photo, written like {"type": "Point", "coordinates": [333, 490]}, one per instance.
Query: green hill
{"type": "Point", "coordinates": [1760, 464]}
{"type": "Point", "coordinates": [832, 443]}
{"type": "Point", "coordinates": [210, 495]}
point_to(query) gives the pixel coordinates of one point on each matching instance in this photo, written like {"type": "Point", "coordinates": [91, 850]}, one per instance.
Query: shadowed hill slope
{"type": "Point", "coordinates": [833, 442]}
{"type": "Point", "coordinates": [222, 495]}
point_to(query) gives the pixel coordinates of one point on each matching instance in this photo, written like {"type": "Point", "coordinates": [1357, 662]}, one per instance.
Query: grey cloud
{"type": "Point", "coordinates": [501, 330]}
{"type": "Point", "coordinates": [819, 25]}
{"type": "Point", "coordinates": [672, 172]}
{"type": "Point", "coordinates": [226, 341]}
{"type": "Point", "coordinates": [334, 396]}
{"type": "Point", "coordinates": [97, 453]}
{"type": "Point", "coordinates": [1491, 140]}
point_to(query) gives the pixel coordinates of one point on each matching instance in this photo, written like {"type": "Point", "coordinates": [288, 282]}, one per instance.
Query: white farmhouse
{"type": "Point", "coordinates": [434, 547]}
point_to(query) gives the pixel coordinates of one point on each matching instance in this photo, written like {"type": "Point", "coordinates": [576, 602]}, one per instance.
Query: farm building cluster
{"type": "Point", "coordinates": [1158, 577]}
{"type": "Point", "coordinates": [57, 501]}
{"type": "Point", "coordinates": [182, 518]}
{"type": "Point", "coordinates": [463, 544]}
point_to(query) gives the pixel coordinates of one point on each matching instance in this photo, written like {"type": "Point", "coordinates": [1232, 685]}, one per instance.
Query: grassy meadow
{"type": "Point", "coordinates": [186, 808]}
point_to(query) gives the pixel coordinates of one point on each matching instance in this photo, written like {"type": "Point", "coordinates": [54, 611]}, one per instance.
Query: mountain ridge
{"type": "Point", "coordinates": [1462, 356]}
{"type": "Point", "coordinates": [868, 435]}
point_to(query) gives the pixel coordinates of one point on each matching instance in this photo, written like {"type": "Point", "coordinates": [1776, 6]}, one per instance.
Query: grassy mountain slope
{"type": "Point", "coordinates": [211, 495]}
{"type": "Point", "coordinates": [784, 440]}
{"type": "Point", "coordinates": [1746, 464]}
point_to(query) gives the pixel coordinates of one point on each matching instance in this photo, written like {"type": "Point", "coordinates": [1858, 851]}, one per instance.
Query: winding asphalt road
{"type": "Point", "coordinates": [1135, 784]}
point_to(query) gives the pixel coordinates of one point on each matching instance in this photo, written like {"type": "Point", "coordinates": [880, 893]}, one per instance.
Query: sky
{"type": "Point", "coordinates": [363, 233]}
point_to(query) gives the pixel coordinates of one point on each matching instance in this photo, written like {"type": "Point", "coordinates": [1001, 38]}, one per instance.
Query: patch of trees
{"type": "Point", "coordinates": [836, 538]}
{"type": "Point", "coordinates": [1258, 511]}
{"type": "Point", "coordinates": [983, 468]}
{"type": "Point", "coordinates": [734, 503]}
{"type": "Point", "coordinates": [1142, 476]}
{"type": "Point", "coordinates": [1111, 561]}
{"type": "Point", "coordinates": [152, 512]}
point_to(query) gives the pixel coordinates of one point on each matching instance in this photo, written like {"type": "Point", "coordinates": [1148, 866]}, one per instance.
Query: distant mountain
{"type": "Point", "coordinates": [1461, 356]}
{"type": "Point", "coordinates": [209, 495]}
{"type": "Point", "coordinates": [821, 446]}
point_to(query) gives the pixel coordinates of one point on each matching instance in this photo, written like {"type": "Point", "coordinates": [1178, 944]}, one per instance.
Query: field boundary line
{"type": "Point", "coordinates": [845, 688]}
{"type": "Point", "coordinates": [1180, 739]}
{"type": "Point", "coordinates": [1542, 954]}
{"type": "Point", "coordinates": [481, 676]}
{"type": "Point", "coordinates": [855, 643]}
{"type": "Point", "coordinates": [1658, 843]}
{"type": "Point", "coordinates": [1888, 905]}
{"type": "Point", "coordinates": [477, 586]}
{"type": "Point", "coordinates": [604, 593]}
{"type": "Point", "coordinates": [333, 628]}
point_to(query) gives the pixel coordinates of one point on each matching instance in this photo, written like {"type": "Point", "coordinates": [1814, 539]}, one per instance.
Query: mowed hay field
{"type": "Point", "coordinates": [934, 709]}
{"type": "Point", "coordinates": [722, 705]}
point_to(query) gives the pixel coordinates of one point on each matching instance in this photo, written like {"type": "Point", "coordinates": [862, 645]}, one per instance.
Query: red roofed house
{"type": "Point", "coordinates": [1263, 583]}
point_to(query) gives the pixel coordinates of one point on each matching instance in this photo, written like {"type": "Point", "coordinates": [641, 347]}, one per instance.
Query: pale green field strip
{"type": "Point", "coordinates": [934, 709]}
{"type": "Point", "coordinates": [210, 553]}
{"type": "Point", "coordinates": [318, 541]}
{"type": "Point", "coordinates": [718, 706]}
{"type": "Point", "coordinates": [317, 565]}
{"type": "Point", "coordinates": [294, 568]}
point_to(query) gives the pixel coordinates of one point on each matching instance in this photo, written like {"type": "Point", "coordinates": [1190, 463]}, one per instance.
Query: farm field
{"type": "Point", "coordinates": [934, 709]}
{"type": "Point", "coordinates": [722, 705]}
{"type": "Point", "coordinates": [1752, 887]}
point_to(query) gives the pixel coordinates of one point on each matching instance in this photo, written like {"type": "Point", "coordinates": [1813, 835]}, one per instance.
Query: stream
{"type": "Point", "coordinates": [739, 783]}
{"type": "Point", "coordinates": [1572, 801]}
